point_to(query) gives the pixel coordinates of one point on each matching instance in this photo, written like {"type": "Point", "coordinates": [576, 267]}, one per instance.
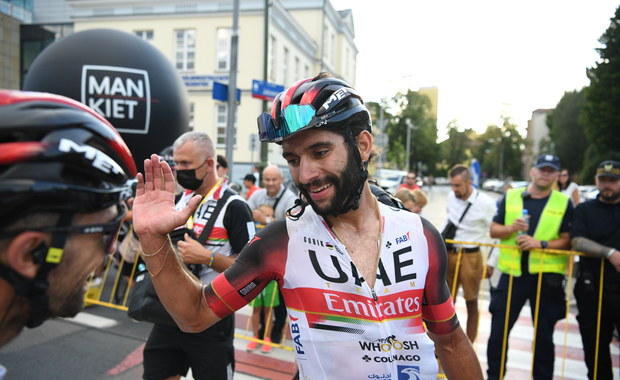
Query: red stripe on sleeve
{"type": "Point", "coordinates": [439, 313]}
{"type": "Point", "coordinates": [222, 298]}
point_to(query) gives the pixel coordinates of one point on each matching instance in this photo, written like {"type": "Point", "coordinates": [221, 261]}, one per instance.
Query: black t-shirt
{"type": "Point", "coordinates": [535, 207]}
{"type": "Point", "coordinates": [600, 222]}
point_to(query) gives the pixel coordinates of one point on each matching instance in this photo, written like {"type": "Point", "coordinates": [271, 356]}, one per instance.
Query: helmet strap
{"type": "Point", "coordinates": [35, 289]}
{"type": "Point", "coordinates": [354, 203]}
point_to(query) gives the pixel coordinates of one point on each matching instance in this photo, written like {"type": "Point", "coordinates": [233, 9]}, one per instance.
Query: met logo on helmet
{"type": "Point", "coordinates": [338, 95]}
{"type": "Point", "coordinates": [98, 159]}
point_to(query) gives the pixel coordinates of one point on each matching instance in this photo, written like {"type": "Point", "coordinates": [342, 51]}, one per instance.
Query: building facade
{"type": "Point", "coordinates": [303, 38]}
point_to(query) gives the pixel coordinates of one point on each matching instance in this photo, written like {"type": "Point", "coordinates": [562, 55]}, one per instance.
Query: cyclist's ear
{"type": "Point", "coordinates": [25, 252]}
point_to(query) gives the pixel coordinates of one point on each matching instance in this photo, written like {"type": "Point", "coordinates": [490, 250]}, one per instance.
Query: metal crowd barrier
{"type": "Point", "coordinates": [112, 286]}
{"type": "Point", "coordinates": [485, 249]}
{"type": "Point", "coordinates": [111, 289]}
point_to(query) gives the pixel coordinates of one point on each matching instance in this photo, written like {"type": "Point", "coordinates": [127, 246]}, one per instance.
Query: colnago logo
{"type": "Point", "coordinates": [391, 358]}
{"type": "Point", "coordinates": [367, 308]}
{"type": "Point", "coordinates": [120, 94]}
{"type": "Point", "coordinates": [98, 159]}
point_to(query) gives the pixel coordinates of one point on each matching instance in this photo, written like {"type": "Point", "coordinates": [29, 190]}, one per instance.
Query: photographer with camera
{"type": "Point", "coordinates": [226, 219]}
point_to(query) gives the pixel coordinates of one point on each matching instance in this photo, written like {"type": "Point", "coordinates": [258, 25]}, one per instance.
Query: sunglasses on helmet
{"type": "Point", "coordinates": [299, 117]}
{"type": "Point", "coordinates": [293, 119]}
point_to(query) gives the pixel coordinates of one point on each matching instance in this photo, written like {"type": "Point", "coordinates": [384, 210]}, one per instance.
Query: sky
{"type": "Point", "coordinates": [488, 58]}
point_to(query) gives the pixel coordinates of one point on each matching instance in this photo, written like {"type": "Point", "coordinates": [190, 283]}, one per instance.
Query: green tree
{"type": "Point", "coordinates": [601, 114]}
{"type": "Point", "coordinates": [456, 149]}
{"type": "Point", "coordinates": [423, 152]}
{"type": "Point", "coordinates": [499, 151]}
{"type": "Point", "coordinates": [566, 132]}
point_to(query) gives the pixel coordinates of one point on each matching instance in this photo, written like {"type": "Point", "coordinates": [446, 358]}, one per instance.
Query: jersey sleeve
{"type": "Point", "coordinates": [239, 224]}
{"type": "Point", "coordinates": [262, 260]}
{"type": "Point", "coordinates": [438, 309]}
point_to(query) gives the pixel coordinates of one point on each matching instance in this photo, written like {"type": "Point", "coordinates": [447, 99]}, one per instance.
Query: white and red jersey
{"type": "Point", "coordinates": [341, 328]}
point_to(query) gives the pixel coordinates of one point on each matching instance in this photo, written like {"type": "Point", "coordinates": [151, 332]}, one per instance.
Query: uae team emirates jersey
{"type": "Point", "coordinates": [341, 328]}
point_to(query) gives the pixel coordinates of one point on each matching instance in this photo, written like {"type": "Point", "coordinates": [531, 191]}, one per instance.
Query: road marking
{"type": "Point", "coordinates": [92, 320]}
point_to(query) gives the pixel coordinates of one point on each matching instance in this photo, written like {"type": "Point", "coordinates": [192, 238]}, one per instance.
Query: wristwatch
{"type": "Point", "coordinates": [543, 244]}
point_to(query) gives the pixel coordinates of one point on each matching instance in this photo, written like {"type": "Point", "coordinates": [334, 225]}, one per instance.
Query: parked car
{"type": "Point", "coordinates": [492, 184]}
{"type": "Point", "coordinates": [390, 179]}
{"type": "Point", "coordinates": [517, 184]}
{"type": "Point", "coordinates": [441, 181]}
{"type": "Point", "coordinates": [588, 192]}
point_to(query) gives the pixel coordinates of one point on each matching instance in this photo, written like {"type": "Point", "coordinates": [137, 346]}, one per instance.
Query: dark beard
{"type": "Point", "coordinates": [70, 306]}
{"type": "Point", "coordinates": [346, 187]}
{"type": "Point", "coordinates": [610, 199]}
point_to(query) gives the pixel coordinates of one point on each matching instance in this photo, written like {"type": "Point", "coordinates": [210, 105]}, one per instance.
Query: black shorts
{"type": "Point", "coordinates": [210, 354]}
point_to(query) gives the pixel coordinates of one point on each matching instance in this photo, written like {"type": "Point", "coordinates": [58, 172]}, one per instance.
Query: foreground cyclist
{"type": "Point", "coordinates": [64, 175]}
{"type": "Point", "coordinates": [364, 283]}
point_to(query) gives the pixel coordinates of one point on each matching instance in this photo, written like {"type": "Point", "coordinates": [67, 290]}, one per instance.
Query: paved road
{"type": "Point", "coordinates": [104, 343]}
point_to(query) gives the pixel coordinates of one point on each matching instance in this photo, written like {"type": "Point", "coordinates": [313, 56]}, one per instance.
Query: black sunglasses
{"type": "Point", "coordinates": [109, 229]}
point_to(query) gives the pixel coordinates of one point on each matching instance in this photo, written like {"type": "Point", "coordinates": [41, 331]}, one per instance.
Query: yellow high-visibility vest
{"type": "Point", "coordinates": [548, 228]}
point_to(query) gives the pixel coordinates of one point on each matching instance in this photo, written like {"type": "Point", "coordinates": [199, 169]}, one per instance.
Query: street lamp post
{"type": "Point", "coordinates": [407, 157]}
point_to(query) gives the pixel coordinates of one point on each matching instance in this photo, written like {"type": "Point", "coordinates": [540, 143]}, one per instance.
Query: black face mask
{"type": "Point", "coordinates": [187, 179]}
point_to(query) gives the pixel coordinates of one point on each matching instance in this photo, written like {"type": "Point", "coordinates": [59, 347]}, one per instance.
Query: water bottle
{"type": "Point", "coordinates": [525, 216]}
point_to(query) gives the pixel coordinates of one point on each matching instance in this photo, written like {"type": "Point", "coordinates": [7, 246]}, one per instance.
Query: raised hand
{"type": "Point", "coordinates": [153, 208]}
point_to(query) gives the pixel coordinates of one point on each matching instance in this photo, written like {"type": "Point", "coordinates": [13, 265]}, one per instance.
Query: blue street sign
{"type": "Point", "coordinates": [265, 90]}
{"type": "Point", "coordinates": [220, 92]}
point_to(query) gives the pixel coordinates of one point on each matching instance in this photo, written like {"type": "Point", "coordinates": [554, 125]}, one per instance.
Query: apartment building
{"type": "Point", "coordinates": [302, 38]}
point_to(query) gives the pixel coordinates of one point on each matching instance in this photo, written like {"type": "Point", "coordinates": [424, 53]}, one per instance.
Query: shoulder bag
{"type": "Point", "coordinates": [143, 304]}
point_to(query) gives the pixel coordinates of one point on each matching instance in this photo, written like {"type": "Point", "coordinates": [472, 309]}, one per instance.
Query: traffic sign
{"type": "Point", "coordinates": [220, 92]}
{"type": "Point", "coordinates": [253, 143]}
{"type": "Point", "coordinates": [265, 90]}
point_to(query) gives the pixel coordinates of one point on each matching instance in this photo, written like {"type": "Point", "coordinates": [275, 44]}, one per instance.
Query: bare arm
{"type": "Point", "coordinates": [452, 346]}
{"type": "Point", "coordinates": [500, 231]}
{"type": "Point", "coordinates": [527, 243]}
{"type": "Point", "coordinates": [192, 251]}
{"type": "Point", "coordinates": [154, 216]}
{"type": "Point", "coordinates": [594, 249]}
{"type": "Point", "coordinates": [575, 197]}
{"type": "Point", "coordinates": [456, 355]}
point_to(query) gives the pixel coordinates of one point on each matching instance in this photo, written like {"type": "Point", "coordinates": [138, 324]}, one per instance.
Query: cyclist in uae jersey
{"type": "Point", "coordinates": [364, 284]}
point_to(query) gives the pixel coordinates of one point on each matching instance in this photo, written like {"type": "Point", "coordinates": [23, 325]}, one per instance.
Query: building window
{"type": "Point", "coordinates": [346, 62]}
{"type": "Point", "coordinates": [185, 49]}
{"type": "Point", "coordinates": [307, 71]}
{"type": "Point", "coordinates": [146, 35]}
{"type": "Point", "coordinates": [272, 60]}
{"type": "Point", "coordinates": [192, 115]}
{"type": "Point", "coordinates": [222, 46]}
{"type": "Point", "coordinates": [285, 66]}
{"type": "Point", "coordinates": [296, 68]}
{"type": "Point", "coordinates": [326, 48]}
{"type": "Point", "coordinates": [221, 122]}
{"type": "Point", "coordinates": [334, 47]}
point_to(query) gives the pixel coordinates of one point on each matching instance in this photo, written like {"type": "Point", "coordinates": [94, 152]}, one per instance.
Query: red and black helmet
{"type": "Point", "coordinates": [313, 103]}
{"type": "Point", "coordinates": [58, 155]}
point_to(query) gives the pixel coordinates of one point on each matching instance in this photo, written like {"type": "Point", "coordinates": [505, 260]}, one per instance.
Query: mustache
{"type": "Point", "coordinates": [315, 183]}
